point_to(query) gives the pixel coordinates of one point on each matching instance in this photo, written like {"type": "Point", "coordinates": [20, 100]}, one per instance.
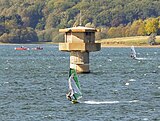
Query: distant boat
{"type": "Point", "coordinates": [74, 93]}
{"type": "Point", "coordinates": [21, 48]}
{"type": "Point", "coordinates": [134, 55]}
{"type": "Point", "coordinates": [37, 48]}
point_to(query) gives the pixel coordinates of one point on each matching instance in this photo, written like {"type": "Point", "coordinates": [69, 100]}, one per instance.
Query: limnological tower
{"type": "Point", "coordinates": [79, 41]}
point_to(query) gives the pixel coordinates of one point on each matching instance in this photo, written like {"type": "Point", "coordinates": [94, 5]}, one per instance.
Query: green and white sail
{"type": "Point", "coordinates": [74, 85]}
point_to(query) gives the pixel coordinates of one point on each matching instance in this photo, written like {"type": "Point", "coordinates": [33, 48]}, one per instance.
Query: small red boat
{"type": "Point", "coordinates": [21, 48]}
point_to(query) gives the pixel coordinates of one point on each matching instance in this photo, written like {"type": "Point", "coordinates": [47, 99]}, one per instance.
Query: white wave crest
{"type": "Point", "coordinates": [101, 102]}
{"type": "Point", "coordinates": [108, 102]}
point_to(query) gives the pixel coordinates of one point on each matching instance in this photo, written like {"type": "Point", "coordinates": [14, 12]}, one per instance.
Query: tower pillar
{"type": "Point", "coordinates": [79, 61]}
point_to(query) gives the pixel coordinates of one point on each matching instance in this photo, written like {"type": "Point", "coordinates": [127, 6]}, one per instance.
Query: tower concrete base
{"type": "Point", "coordinates": [81, 68]}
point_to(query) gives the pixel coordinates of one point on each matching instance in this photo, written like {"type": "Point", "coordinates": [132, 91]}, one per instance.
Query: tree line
{"type": "Point", "coordinates": [136, 28]}
{"type": "Point", "coordinates": [23, 21]}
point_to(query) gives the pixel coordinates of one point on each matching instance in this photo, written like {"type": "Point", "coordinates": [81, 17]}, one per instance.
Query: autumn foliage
{"type": "Point", "coordinates": [23, 21]}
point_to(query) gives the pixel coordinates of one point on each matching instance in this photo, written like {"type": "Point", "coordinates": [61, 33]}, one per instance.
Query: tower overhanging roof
{"type": "Point", "coordinates": [78, 29]}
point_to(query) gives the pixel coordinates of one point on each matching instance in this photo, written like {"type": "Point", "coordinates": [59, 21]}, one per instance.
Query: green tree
{"type": "Point", "coordinates": [151, 25]}
{"type": "Point", "coordinates": [137, 28]}
{"type": "Point", "coordinates": [53, 21]}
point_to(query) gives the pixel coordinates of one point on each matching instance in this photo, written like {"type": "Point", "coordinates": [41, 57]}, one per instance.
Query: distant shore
{"type": "Point", "coordinates": [137, 41]}
{"type": "Point", "coordinates": [122, 42]}
{"type": "Point", "coordinates": [37, 43]}
{"type": "Point", "coordinates": [126, 46]}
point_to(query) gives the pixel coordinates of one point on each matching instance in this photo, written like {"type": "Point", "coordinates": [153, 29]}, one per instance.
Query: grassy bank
{"type": "Point", "coordinates": [128, 41]}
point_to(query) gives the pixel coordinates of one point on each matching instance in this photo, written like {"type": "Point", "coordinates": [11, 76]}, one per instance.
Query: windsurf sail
{"type": "Point", "coordinates": [74, 85]}
{"type": "Point", "coordinates": [133, 52]}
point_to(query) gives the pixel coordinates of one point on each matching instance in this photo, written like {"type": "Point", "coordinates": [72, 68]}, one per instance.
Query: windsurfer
{"type": "Point", "coordinates": [133, 53]}
{"type": "Point", "coordinates": [68, 95]}
{"type": "Point", "coordinates": [132, 56]}
{"type": "Point", "coordinates": [74, 92]}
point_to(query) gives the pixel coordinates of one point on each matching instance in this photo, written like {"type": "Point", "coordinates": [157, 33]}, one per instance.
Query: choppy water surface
{"type": "Point", "coordinates": [33, 85]}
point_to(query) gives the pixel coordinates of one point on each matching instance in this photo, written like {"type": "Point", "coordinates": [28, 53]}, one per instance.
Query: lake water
{"type": "Point", "coordinates": [33, 85]}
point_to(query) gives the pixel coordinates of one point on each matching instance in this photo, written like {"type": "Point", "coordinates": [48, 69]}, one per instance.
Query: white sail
{"type": "Point", "coordinates": [133, 52]}
{"type": "Point", "coordinates": [73, 87]}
